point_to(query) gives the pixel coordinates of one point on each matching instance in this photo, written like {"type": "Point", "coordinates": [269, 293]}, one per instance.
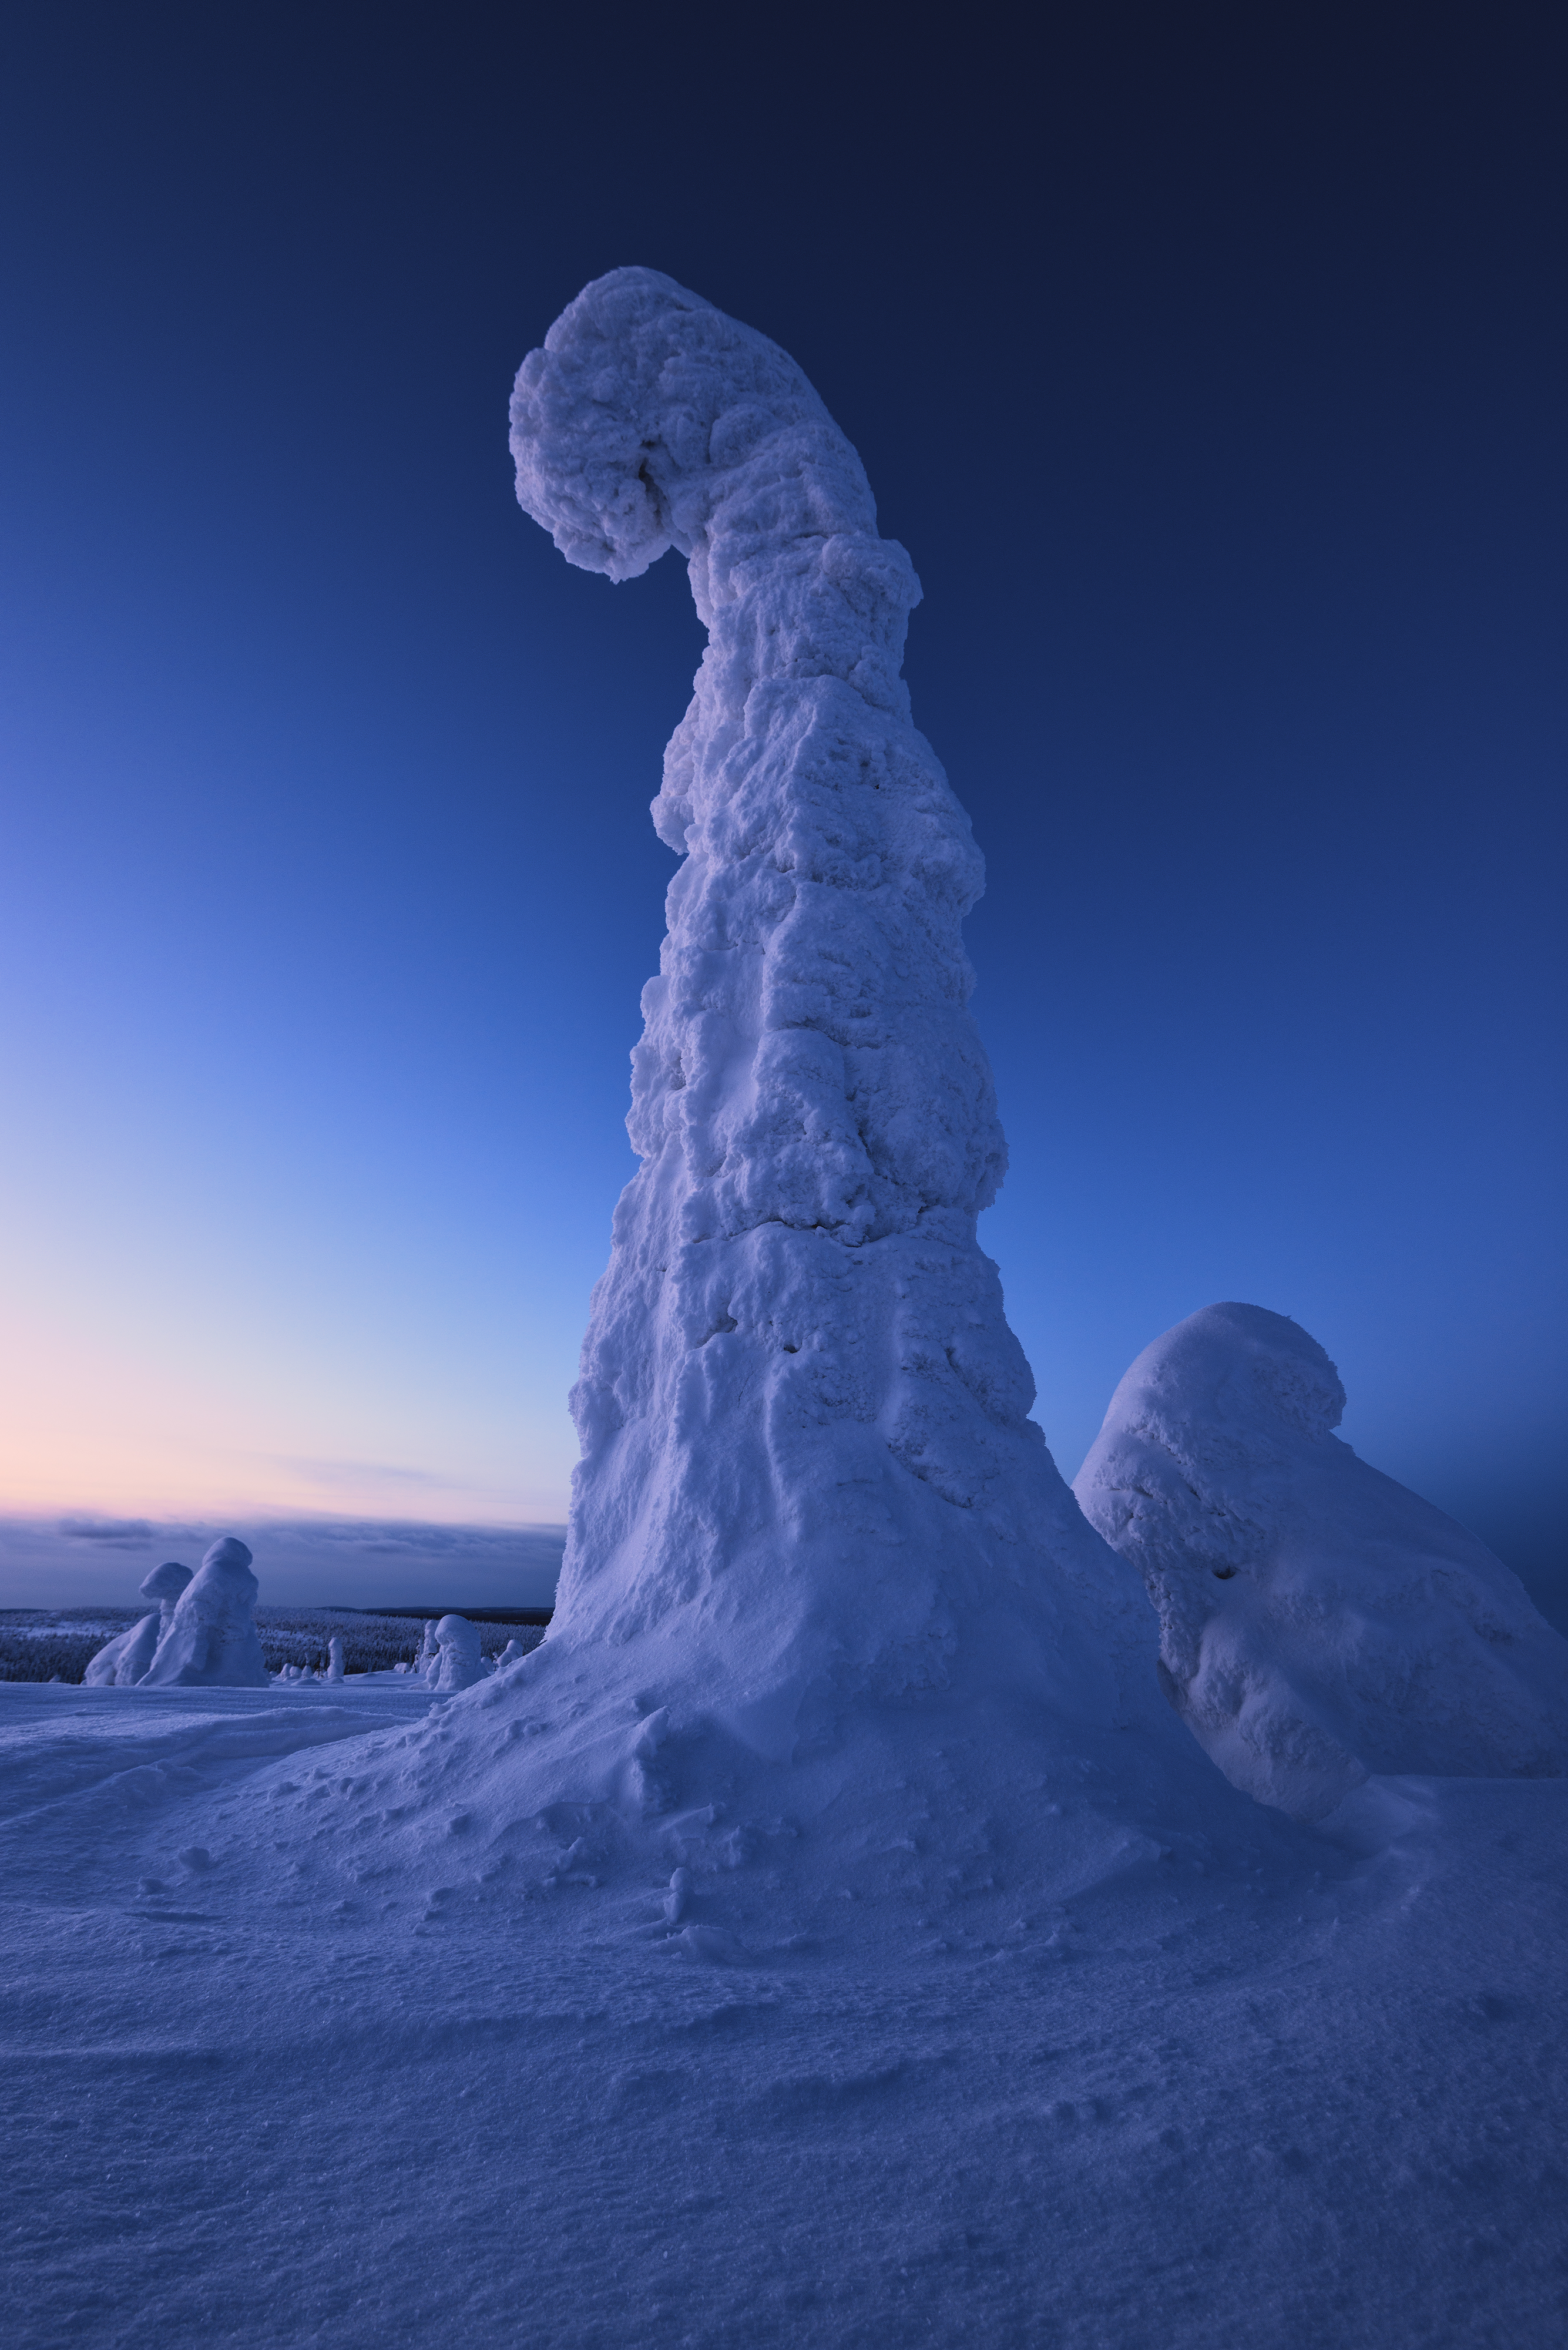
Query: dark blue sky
{"type": "Point", "coordinates": [1210, 363]}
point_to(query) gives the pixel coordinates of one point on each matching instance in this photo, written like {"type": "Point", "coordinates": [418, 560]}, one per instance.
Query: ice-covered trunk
{"type": "Point", "coordinates": [803, 1414]}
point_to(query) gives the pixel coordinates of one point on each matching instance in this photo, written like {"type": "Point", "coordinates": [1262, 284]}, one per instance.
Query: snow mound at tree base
{"type": "Point", "coordinates": [1270, 2089]}
{"type": "Point", "coordinates": [1318, 1622]}
{"type": "Point", "coordinates": [742, 1822]}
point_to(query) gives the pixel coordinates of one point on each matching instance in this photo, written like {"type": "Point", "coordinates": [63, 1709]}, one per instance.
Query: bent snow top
{"type": "Point", "coordinates": [806, 1459]}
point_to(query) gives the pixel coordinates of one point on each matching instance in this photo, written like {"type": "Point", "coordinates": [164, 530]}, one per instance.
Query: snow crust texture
{"type": "Point", "coordinates": [210, 1638]}
{"type": "Point", "coordinates": [265, 2079]}
{"type": "Point", "coordinates": [1318, 1622]}
{"type": "Point", "coordinates": [806, 1460]}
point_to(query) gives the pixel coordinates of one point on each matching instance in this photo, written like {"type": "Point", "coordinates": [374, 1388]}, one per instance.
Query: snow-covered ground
{"type": "Point", "coordinates": [829, 1935]}
{"type": "Point", "coordinates": [273, 2079]}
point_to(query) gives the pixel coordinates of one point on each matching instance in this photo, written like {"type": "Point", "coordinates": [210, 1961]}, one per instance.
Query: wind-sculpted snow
{"type": "Point", "coordinates": [210, 1638]}
{"type": "Point", "coordinates": [1318, 1622]}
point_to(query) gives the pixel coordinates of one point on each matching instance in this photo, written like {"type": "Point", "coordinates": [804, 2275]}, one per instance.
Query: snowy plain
{"type": "Point", "coordinates": [264, 2086]}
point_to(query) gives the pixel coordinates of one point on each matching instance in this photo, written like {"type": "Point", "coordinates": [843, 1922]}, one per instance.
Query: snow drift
{"type": "Point", "coordinates": [1318, 1622]}
{"type": "Point", "coordinates": [210, 1638]}
{"type": "Point", "coordinates": [125, 1660]}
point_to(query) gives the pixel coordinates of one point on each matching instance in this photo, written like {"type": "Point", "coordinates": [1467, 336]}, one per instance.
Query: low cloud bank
{"type": "Point", "coordinates": [81, 1559]}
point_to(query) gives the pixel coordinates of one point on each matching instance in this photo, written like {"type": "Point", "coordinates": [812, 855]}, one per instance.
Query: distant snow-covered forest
{"type": "Point", "coordinates": [45, 1645]}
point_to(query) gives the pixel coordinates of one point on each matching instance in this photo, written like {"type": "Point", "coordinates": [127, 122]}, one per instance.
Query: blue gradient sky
{"type": "Point", "coordinates": [1214, 376]}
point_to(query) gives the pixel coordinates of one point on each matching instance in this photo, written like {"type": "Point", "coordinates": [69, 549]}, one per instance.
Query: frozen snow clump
{"type": "Point", "coordinates": [335, 1657]}
{"type": "Point", "coordinates": [125, 1659]}
{"type": "Point", "coordinates": [166, 1583]}
{"type": "Point", "coordinates": [459, 1663]}
{"type": "Point", "coordinates": [511, 1654]}
{"type": "Point", "coordinates": [1318, 1622]}
{"type": "Point", "coordinates": [210, 1639]}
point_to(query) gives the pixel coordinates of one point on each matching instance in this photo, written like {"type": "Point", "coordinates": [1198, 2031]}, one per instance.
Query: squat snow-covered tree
{"type": "Point", "coordinates": [1318, 1622]}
